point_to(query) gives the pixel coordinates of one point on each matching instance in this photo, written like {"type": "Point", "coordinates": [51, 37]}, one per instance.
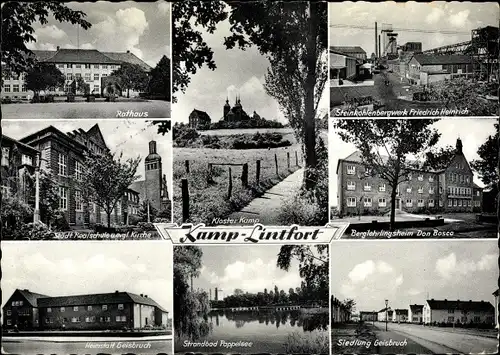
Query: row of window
{"type": "Point", "coordinates": [351, 170]}
{"type": "Point", "coordinates": [382, 202]}
{"type": "Point", "coordinates": [91, 319]}
{"type": "Point", "coordinates": [88, 76]}
{"type": "Point", "coordinates": [15, 88]}
{"type": "Point", "coordinates": [104, 307]}
{"type": "Point", "coordinates": [21, 312]}
{"type": "Point", "coordinates": [453, 202]}
{"type": "Point", "coordinates": [62, 164]}
{"type": "Point", "coordinates": [63, 202]}
{"type": "Point", "coordinates": [451, 319]}
{"type": "Point", "coordinates": [454, 177]}
{"type": "Point", "coordinates": [351, 186]}
{"type": "Point", "coordinates": [466, 191]}
{"type": "Point", "coordinates": [87, 66]}
{"type": "Point", "coordinates": [17, 303]}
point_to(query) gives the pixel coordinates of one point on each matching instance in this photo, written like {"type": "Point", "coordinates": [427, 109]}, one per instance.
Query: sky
{"type": "Point", "coordinates": [84, 267]}
{"type": "Point", "coordinates": [472, 131]}
{"type": "Point", "coordinates": [455, 16]}
{"type": "Point", "coordinates": [130, 136]}
{"type": "Point", "coordinates": [373, 271]}
{"type": "Point", "coordinates": [238, 72]}
{"type": "Point", "coordinates": [249, 268]}
{"type": "Point", "coordinates": [141, 27]}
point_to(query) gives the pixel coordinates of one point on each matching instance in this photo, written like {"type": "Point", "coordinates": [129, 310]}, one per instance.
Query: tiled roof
{"type": "Point", "coordinates": [95, 299]}
{"type": "Point", "coordinates": [202, 114]}
{"type": "Point", "coordinates": [432, 59]}
{"type": "Point", "coordinates": [416, 307]}
{"type": "Point", "coordinates": [401, 311]}
{"type": "Point", "coordinates": [127, 57]}
{"type": "Point", "coordinates": [43, 55]}
{"type": "Point", "coordinates": [31, 297]}
{"type": "Point", "coordinates": [461, 305]}
{"type": "Point", "coordinates": [90, 56]}
{"type": "Point", "coordinates": [348, 49]}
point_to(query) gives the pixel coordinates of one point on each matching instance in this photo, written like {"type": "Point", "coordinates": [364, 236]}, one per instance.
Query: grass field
{"type": "Point", "coordinates": [209, 199]}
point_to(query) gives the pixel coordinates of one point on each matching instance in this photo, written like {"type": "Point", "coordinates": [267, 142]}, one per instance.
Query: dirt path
{"type": "Point", "coordinates": [266, 208]}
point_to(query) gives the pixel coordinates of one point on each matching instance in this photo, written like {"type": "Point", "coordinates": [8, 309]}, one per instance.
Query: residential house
{"type": "Point", "coordinates": [400, 316]}
{"type": "Point", "coordinates": [458, 312]}
{"type": "Point", "coordinates": [415, 313]}
{"type": "Point", "coordinates": [368, 316]}
{"type": "Point", "coordinates": [21, 310]}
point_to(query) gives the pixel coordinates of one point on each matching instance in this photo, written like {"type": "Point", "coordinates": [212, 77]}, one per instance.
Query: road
{"type": "Point", "coordinates": [86, 347]}
{"type": "Point", "coordinates": [434, 340]}
{"type": "Point", "coordinates": [154, 109]}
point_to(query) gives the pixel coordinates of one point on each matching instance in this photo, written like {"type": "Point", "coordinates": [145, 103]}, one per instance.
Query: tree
{"type": "Point", "coordinates": [159, 82]}
{"type": "Point", "coordinates": [397, 139]}
{"type": "Point", "coordinates": [81, 85]}
{"type": "Point", "coordinates": [44, 76]}
{"type": "Point", "coordinates": [17, 30]}
{"type": "Point", "coordinates": [437, 159]}
{"type": "Point", "coordinates": [313, 268]}
{"type": "Point", "coordinates": [131, 76]}
{"type": "Point", "coordinates": [487, 165]}
{"type": "Point", "coordinates": [49, 197]}
{"type": "Point", "coordinates": [106, 179]}
{"type": "Point", "coordinates": [349, 304]}
{"type": "Point", "coordinates": [143, 212]}
{"type": "Point", "coordinates": [191, 51]}
{"type": "Point", "coordinates": [238, 292]}
{"type": "Point", "coordinates": [294, 37]}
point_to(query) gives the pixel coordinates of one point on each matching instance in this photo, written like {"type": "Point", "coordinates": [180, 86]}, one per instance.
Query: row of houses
{"type": "Point", "coordinates": [27, 310]}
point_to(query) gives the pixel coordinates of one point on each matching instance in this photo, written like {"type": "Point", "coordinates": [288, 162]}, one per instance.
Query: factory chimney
{"type": "Point", "coordinates": [379, 46]}
{"type": "Point", "coordinates": [376, 43]}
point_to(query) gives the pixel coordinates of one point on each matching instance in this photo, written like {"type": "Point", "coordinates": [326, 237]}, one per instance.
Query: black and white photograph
{"type": "Point", "coordinates": [414, 59]}
{"type": "Point", "coordinates": [86, 60]}
{"type": "Point", "coordinates": [255, 299]}
{"type": "Point", "coordinates": [385, 300]}
{"type": "Point", "coordinates": [250, 113]}
{"type": "Point", "coordinates": [415, 178]}
{"type": "Point", "coordinates": [85, 179]}
{"type": "Point", "coordinates": [87, 298]}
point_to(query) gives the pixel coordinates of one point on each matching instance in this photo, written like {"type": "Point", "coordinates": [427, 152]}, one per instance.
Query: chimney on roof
{"type": "Point", "coordinates": [445, 300]}
{"type": "Point", "coordinates": [26, 290]}
{"type": "Point", "coordinates": [145, 296]}
{"type": "Point", "coordinates": [128, 51]}
{"type": "Point", "coordinates": [142, 295]}
{"type": "Point", "coordinates": [58, 47]}
{"type": "Point", "coordinates": [116, 291]}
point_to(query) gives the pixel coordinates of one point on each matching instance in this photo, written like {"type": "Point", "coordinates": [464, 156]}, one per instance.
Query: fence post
{"type": "Point", "coordinates": [230, 185]}
{"type": "Point", "coordinates": [288, 159]}
{"type": "Point", "coordinates": [296, 159]}
{"type": "Point", "coordinates": [276, 162]}
{"type": "Point", "coordinates": [209, 174]}
{"type": "Point", "coordinates": [186, 163]}
{"type": "Point", "coordinates": [244, 175]}
{"type": "Point", "coordinates": [185, 200]}
{"type": "Point", "coordinates": [257, 172]}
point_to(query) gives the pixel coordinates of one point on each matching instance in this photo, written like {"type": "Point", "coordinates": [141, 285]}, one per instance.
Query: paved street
{"type": "Point", "coordinates": [154, 109]}
{"type": "Point", "coordinates": [436, 340]}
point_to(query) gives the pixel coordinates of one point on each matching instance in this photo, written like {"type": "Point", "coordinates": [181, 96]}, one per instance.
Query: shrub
{"type": "Point", "coordinates": [60, 222]}
{"type": "Point", "coordinates": [36, 231]}
{"type": "Point", "coordinates": [146, 226]}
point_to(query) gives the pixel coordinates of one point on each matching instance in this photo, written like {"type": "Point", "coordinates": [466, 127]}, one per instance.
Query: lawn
{"type": "Point", "coordinates": [360, 333]}
{"type": "Point", "coordinates": [209, 199]}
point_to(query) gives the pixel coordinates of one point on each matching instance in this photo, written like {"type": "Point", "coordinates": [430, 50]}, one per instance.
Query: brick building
{"type": "Point", "coordinates": [199, 119]}
{"type": "Point", "coordinates": [450, 189]}
{"type": "Point", "coordinates": [28, 310]}
{"type": "Point", "coordinates": [426, 69]}
{"type": "Point", "coordinates": [90, 64]}
{"type": "Point", "coordinates": [63, 155]}
{"type": "Point", "coordinates": [462, 312]}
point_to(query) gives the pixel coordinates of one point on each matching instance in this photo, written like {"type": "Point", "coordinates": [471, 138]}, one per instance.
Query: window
{"type": "Point", "coordinates": [60, 66]}
{"type": "Point", "coordinates": [78, 76]}
{"type": "Point", "coordinates": [450, 202]}
{"type": "Point", "coordinates": [351, 186]}
{"type": "Point", "coordinates": [409, 176]}
{"type": "Point", "coordinates": [440, 203]}
{"type": "Point", "coordinates": [69, 65]}
{"type": "Point", "coordinates": [420, 190]}
{"type": "Point", "coordinates": [431, 190]}
{"type": "Point", "coordinates": [104, 307]}
{"type": "Point", "coordinates": [367, 186]}
{"type": "Point", "coordinates": [104, 75]}
{"type": "Point", "coordinates": [467, 179]}
{"type": "Point", "coordinates": [420, 203]}
{"type": "Point", "coordinates": [75, 320]}
{"type": "Point", "coordinates": [120, 306]}
{"type": "Point", "coordinates": [351, 202]}
{"type": "Point", "coordinates": [69, 76]}
{"type": "Point", "coordinates": [15, 88]}
{"type": "Point", "coordinates": [79, 203]}
{"type": "Point", "coordinates": [96, 76]}
{"type": "Point", "coordinates": [62, 163]}
{"type": "Point", "coordinates": [5, 156]}
{"type": "Point", "coordinates": [97, 88]}
{"type": "Point", "coordinates": [409, 203]}
{"type": "Point", "coordinates": [87, 77]}
{"type": "Point", "coordinates": [351, 170]}
{"type": "Point", "coordinates": [63, 200]}
{"type": "Point", "coordinates": [78, 170]}
{"type": "Point", "coordinates": [49, 310]}
{"type": "Point", "coordinates": [454, 202]}
{"type": "Point", "coordinates": [104, 66]}
{"type": "Point", "coordinates": [382, 202]}
{"type": "Point", "coordinates": [477, 319]}
{"type": "Point", "coordinates": [62, 309]}
{"type": "Point", "coordinates": [89, 308]}
{"type": "Point", "coordinates": [421, 177]}
{"type": "Point", "coordinates": [75, 308]}
{"type": "Point", "coordinates": [24, 88]}
{"type": "Point", "coordinates": [431, 178]}
{"type": "Point", "coordinates": [431, 203]}
{"type": "Point", "coordinates": [460, 203]}
{"type": "Point", "coordinates": [368, 171]}
{"type": "Point", "coordinates": [408, 189]}
{"type": "Point", "coordinates": [87, 66]}
{"type": "Point", "coordinates": [367, 202]}
{"type": "Point", "coordinates": [108, 319]}
{"type": "Point", "coordinates": [9, 322]}
{"type": "Point", "coordinates": [90, 319]}
{"type": "Point", "coordinates": [121, 318]}
{"type": "Point", "coordinates": [478, 193]}
{"type": "Point", "coordinates": [6, 88]}
{"type": "Point", "coordinates": [27, 160]}
{"type": "Point", "coordinates": [381, 188]}
{"type": "Point", "coordinates": [9, 312]}
{"type": "Point", "coordinates": [96, 66]}
{"type": "Point", "coordinates": [78, 66]}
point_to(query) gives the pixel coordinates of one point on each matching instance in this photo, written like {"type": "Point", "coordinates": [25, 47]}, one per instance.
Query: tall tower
{"type": "Point", "coordinates": [227, 107]}
{"type": "Point", "coordinates": [153, 177]}
{"type": "Point", "coordinates": [459, 146]}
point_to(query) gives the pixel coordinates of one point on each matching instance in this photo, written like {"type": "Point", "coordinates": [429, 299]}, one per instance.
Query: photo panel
{"type": "Point", "coordinates": [413, 60]}
{"type": "Point", "coordinates": [85, 179]}
{"type": "Point", "coordinates": [94, 297]}
{"type": "Point", "coordinates": [418, 178]}
{"type": "Point", "coordinates": [269, 299]}
{"type": "Point", "coordinates": [385, 300]}
{"type": "Point", "coordinates": [251, 146]}
{"type": "Point", "coordinates": [86, 60]}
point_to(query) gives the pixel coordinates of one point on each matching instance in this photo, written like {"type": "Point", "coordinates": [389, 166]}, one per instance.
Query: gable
{"type": "Point", "coordinates": [96, 134]}
{"type": "Point", "coordinates": [459, 162]}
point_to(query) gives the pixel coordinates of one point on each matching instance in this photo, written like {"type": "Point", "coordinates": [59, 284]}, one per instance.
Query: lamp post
{"type": "Point", "coordinates": [36, 214]}
{"type": "Point", "coordinates": [386, 303]}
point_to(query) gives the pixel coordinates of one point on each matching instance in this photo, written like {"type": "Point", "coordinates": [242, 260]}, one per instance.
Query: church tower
{"type": "Point", "coordinates": [153, 183]}
{"type": "Point", "coordinates": [227, 107]}
{"type": "Point", "coordinates": [459, 146]}
{"type": "Point", "coordinates": [237, 109]}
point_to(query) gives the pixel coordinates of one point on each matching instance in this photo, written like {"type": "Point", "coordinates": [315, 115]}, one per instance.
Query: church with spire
{"type": "Point", "coordinates": [235, 113]}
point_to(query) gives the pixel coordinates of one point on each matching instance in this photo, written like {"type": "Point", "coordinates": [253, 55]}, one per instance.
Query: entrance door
{"type": "Point", "coordinates": [397, 203]}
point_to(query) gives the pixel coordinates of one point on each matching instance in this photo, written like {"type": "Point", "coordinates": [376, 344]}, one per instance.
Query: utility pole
{"type": "Point", "coordinates": [386, 303]}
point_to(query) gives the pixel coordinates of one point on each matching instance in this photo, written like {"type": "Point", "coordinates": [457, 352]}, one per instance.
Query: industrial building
{"type": "Point", "coordinates": [427, 69]}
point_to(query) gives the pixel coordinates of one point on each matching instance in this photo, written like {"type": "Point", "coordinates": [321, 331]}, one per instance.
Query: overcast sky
{"type": "Point", "coordinates": [249, 268]}
{"type": "Point", "coordinates": [130, 136]}
{"type": "Point", "coordinates": [405, 271]}
{"type": "Point", "coordinates": [472, 132]}
{"type": "Point", "coordinates": [84, 267]}
{"type": "Point", "coordinates": [459, 17]}
{"type": "Point", "coordinates": [141, 27]}
{"type": "Point", "coordinates": [238, 73]}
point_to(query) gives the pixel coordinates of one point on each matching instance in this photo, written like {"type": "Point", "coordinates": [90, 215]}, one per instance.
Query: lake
{"type": "Point", "coordinates": [262, 331]}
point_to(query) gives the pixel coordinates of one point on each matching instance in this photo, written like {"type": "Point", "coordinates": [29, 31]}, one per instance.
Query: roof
{"type": "Point", "coordinates": [401, 311]}
{"type": "Point", "coordinates": [31, 297]}
{"type": "Point", "coordinates": [432, 59]}
{"type": "Point", "coordinates": [41, 133]}
{"type": "Point", "coordinates": [128, 57]}
{"type": "Point", "coordinates": [416, 307]}
{"type": "Point", "coordinates": [348, 49]}
{"type": "Point", "coordinates": [461, 305]}
{"type": "Point", "coordinates": [95, 299]}
{"type": "Point", "coordinates": [201, 114]}
{"type": "Point", "coordinates": [91, 56]}
{"type": "Point", "coordinates": [26, 146]}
